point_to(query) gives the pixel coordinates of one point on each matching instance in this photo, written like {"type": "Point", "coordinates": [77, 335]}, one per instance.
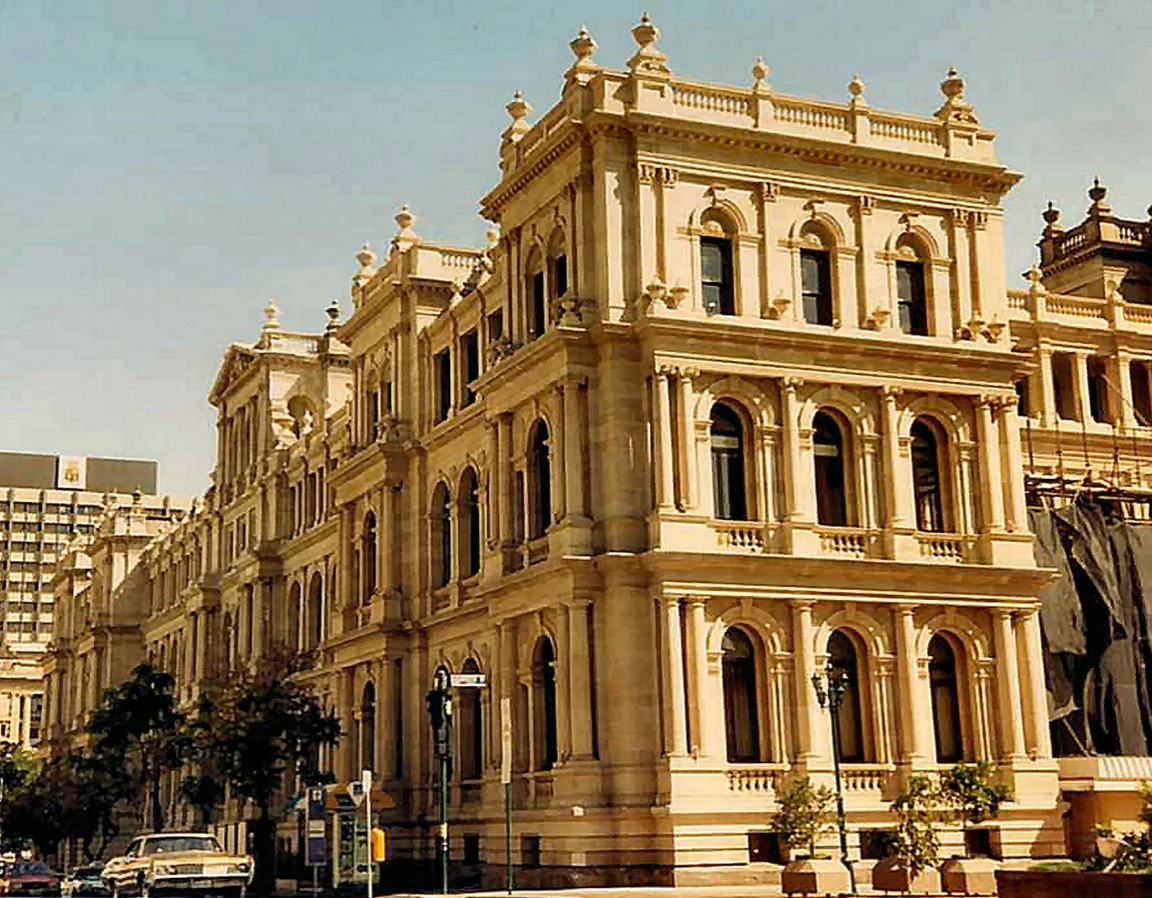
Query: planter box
{"type": "Point", "coordinates": [969, 876]}
{"type": "Point", "coordinates": [892, 875]}
{"type": "Point", "coordinates": [815, 876]}
{"type": "Point", "coordinates": [1034, 884]}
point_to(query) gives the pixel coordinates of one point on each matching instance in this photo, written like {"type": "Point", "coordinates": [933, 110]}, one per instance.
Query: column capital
{"type": "Point", "coordinates": [697, 600]}
{"type": "Point", "coordinates": [667, 600]}
{"type": "Point", "coordinates": [791, 384]}
{"type": "Point", "coordinates": [801, 604]}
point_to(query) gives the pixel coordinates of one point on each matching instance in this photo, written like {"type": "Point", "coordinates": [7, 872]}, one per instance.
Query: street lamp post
{"type": "Point", "coordinates": [830, 691]}
{"type": "Point", "coordinates": [440, 711]}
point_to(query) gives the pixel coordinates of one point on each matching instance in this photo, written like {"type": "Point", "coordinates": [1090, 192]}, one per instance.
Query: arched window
{"type": "Point", "coordinates": [558, 263]}
{"type": "Point", "coordinates": [368, 727]}
{"type": "Point", "coordinates": [850, 722]}
{"type": "Point", "coordinates": [368, 557]}
{"type": "Point", "coordinates": [539, 482]}
{"type": "Point", "coordinates": [537, 296]}
{"type": "Point", "coordinates": [316, 612]}
{"type": "Point", "coordinates": [544, 703]}
{"type": "Point", "coordinates": [828, 459]}
{"type": "Point", "coordinates": [471, 728]}
{"type": "Point", "coordinates": [926, 478]}
{"type": "Point", "coordinates": [250, 613]}
{"type": "Point", "coordinates": [228, 635]}
{"type": "Point", "coordinates": [716, 281]}
{"type": "Point", "coordinates": [469, 518]}
{"type": "Point", "coordinates": [816, 279]}
{"type": "Point", "coordinates": [945, 700]}
{"type": "Point", "coordinates": [730, 492]}
{"type": "Point", "coordinates": [911, 291]}
{"type": "Point", "coordinates": [295, 617]}
{"type": "Point", "coordinates": [741, 709]}
{"type": "Point", "coordinates": [441, 518]}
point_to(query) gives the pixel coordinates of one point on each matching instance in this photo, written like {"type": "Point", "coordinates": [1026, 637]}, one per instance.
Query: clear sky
{"type": "Point", "coordinates": [167, 166]}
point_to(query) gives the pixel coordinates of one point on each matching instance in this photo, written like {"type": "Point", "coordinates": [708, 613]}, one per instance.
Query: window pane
{"type": "Point", "coordinates": [711, 261]}
{"type": "Point", "coordinates": [816, 286]}
{"type": "Point", "coordinates": [911, 298]}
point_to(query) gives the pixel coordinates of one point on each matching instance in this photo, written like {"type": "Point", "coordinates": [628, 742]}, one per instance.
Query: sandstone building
{"type": "Point", "coordinates": [729, 397]}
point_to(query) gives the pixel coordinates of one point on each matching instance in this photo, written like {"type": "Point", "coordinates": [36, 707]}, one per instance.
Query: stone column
{"type": "Point", "coordinates": [559, 459]}
{"type": "Point", "coordinates": [808, 712]}
{"type": "Point", "coordinates": [1048, 417]}
{"type": "Point", "coordinates": [574, 450]}
{"type": "Point", "coordinates": [563, 686]}
{"type": "Point", "coordinates": [675, 741]}
{"type": "Point", "coordinates": [580, 679]}
{"type": "Point", "coordinates": [698, 669]}
{"type": "Point", "coordinates": [1013, 459]}
{"type": "Point", "coordinates": [963, 270]}
{"type": "Point", "coordinates": [504, 481]}
{"type": "Point", "coordinates": [908, 672]}
{"type": "Point", "coordinates": [689, 490]}
{"type": "Point", "coordinates": [1010, 710]}
{"type": "Point", "coordinates": [1083, 402]}
{"type": "Point", "coordinates": [897, 488]}
{"type": "Point", "coordinates": [798, 501]}
{"type": "Point", "coordinates": [662, 441]}
{"type": "Point", "coordinates": [1039, 734]}
{"type": "Point", "coordinates": [990, 486]}
{"type": "Point", "coordinates": [1121, 373]}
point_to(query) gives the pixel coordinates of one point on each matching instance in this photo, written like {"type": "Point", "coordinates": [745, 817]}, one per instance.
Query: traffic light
{"type": "Point", "coordinates": [378, 846]}
{"type": "Point", "coordinates": [435, 700]}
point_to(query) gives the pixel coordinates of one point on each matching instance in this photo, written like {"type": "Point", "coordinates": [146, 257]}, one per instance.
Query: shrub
{"type": "Point", "coordinates": [969, 790]}
{"type": "Point", "coordinates": [806, 813]}
{"type": "Point", "coordinates": [918, 812]}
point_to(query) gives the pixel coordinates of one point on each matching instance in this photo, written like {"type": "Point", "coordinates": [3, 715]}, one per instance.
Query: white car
{"type": "Point", "coordinates": [178, 863]}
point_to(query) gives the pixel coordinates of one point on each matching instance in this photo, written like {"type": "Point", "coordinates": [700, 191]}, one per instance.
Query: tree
{"type": "Point", "coordinates": [263, 724]}
{"type": "Point", "coordinates": [17, 767]}
{"type": "Point", "coordinates": [972, 795]}
{"type": "Point", "coordinates": [805, 814]}
{"type": "Point", "coordinates": [140, 722]}
{"type": "Point", "coordinates": [917, 839]}
{"type": "Point", "coordinates": [93, 789]}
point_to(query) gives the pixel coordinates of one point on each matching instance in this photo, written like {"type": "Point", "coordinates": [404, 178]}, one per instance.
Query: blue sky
{"type": "Point", "coordinates": [165, 166]}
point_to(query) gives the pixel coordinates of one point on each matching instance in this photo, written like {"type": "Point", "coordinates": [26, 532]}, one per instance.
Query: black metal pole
{"type": "Point", "coordinates": [442, 838]}
{"type": "Point", "coordinates": [835, 693]}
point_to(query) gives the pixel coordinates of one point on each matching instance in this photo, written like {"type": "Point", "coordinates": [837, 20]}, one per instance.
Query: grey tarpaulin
{"type": "Point", "coordinates": [1096, 626]}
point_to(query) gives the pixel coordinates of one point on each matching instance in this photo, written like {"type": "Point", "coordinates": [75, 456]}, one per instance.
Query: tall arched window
{"type": "Point", "coordinates": [368, 727]}
{"type": "Point", "coordinates": [471, 728]}
{"type": "Point", "coordinates": [544, 703]}
{"type": "Point", "coordinates": [926, 477]}
{"type": "Point", "coordinates": [316, 612]}
{"type": "Point", "coordinates": [816, 281]}
{"type": "Point", "coordinates": [537, 296]}
{"type": "Point", "coordinates": [295, 616]}
{"type": "Point", "coordinates": [945, 700]}
{"type": "Point", "coordinates": [911, 286]}
{"type": "Point", "coordinates": [469, 518]}
{"type": "Point", "coordinates": [730, 491]}
{"type": "Point", "coordinates": [441, 519]}
{"type": "Point", "coordinates": [741, 709]}
{"type": "Point", "coordinates": [228, 639]}
{"type": "Point", "coordinates": [368, 551]}
{"type": "Point", "coordinates": [828, 459]}
{"type": "Point", "coordinates": [558, 263]}
{"type": "Point", "coordinates": [842, 663]}
{"type": "Point", "coordinates": [539, 482]}
{"type": "Point", "coordinates": [716, 280]}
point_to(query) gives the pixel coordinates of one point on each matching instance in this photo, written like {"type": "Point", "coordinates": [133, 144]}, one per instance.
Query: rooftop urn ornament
{"type": "Point", "coordinates": [856, 88]}
{"type": "Point", "coordinates": [583, 47]}
{"type": "Point", "coordinates": [1097, 193]}
{"type": "Point", "coordinates": [333, 313]}
{"type": "Point", "coordinates": [955, 107]}
{"type": "Point", "coordinates": [1051, 217]}
{"type": "Point", "coordinates": [519, 110]}
{"type": "Point", "coordinates": [648, 60]}
{"type": "Point", "coordinates": [271, 316]}
{"type": "Point", "coordinates": [405, 236]}
{"type": "Point", "coordinates": [367, 259]}
{"type": "Point", "coordinates": [760, 72]}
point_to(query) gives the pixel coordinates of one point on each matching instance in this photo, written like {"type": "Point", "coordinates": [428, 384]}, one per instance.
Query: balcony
{"type": "Point", "coordinates": [1096, 313]}
{"type": "Point", "coordinates": [849, 542]}
{"type": "Point", "coordinates": [739, 536]}
{"type": "Point", "coordinates": [944, 547]}
{"type": "Point", "coordinates": [762, 779]}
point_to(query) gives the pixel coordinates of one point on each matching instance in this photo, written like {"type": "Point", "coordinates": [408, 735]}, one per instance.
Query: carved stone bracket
{"type": "Point", "coordinates": [877, 318]}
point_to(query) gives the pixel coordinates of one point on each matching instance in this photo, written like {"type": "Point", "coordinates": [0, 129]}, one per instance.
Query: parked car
{"type": "Point", "coordinates": [178, 863]}
{"type": "Point", "coordinates": [84, 881]}
{"type": "Point", "coordinates": [29, 878]}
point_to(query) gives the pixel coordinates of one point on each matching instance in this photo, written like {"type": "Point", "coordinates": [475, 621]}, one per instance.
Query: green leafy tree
{"type": "Point", "coordinates": [972, 794]}
{"type": "Point", "coordinates": [263, 724]}
{"type": "Point", "coordinates": [93, 788]}
{"type": "Point", "coordinates": [805, 814]}
{"type": "Point", "coordinates": [919, 813]}
{"type": "Point", "coordinates": [35, 812]}
{"type": "Point", "coordinates": [18, 766]}
{"type": "Point", "coordinates": [141, 723]}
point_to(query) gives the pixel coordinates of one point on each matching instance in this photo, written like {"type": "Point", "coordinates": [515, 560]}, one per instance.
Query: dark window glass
{"type": "Point", "coordinates": [741, 712]}
{"type": "Point", "coordinates": [442, 362]}
{"type": "Point", "coordinates": [316, 612]}
{"type": "Point", "coordinates": [1141, 396]}
{"type": "Point", "coordinates": [945, 700]}
{"type": "Point", "coordinates": [368, 552]}
{"type": "Point", "coordinates": [1098, 390]}
{"type": "Point", "coordinates": [471, 728]}
{"type": "Point", "coordinates": [544, 703]}
{"type": "Point", "coordinates": [816, 286]}
{"type": "Point", "coordinates": [850, 729]}
{"type": "Point", "coordinates": [1023, 398]}
{"type": "Point", "coordinates": [441, 537]}
{"type": "Point", "coordinates": [470, 349]}
{"type": "Point", "coordinates": [1063, 376]}
{"type": "Point", "coordinates": [828, 453]}
{"type": "Point", "coordinates": [716, 276]}
{"type": "Point", "coordinates": [373, 414]}
{"type": "Point", "coordinates": [560, 272]}
{"type": "Point", "coordinates": [539, 320]}
{"type": "Point", "coordinates": [495, 326]}
{"type": "Point", "coordinates": [728, 486]}
{"type": "Point", "coordinates": [926, 479]}
{"type": "Point", "coordinates": [911, 298]}
{"type": "Point", "coordinates": [470, 521]}
{"type": "Point", "coordinates": [368, 728]}
{"type": "Point", "coordinates": [540, 484]}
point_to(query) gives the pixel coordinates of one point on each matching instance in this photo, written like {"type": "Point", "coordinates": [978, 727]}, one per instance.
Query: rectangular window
{"type": "Point", "coordinates": [560, 274]}
{"type": "Point", "coordinates": [470, 350]}
{"type": "Point", "coordinates": [442, 369]}
{"type": "Point", "coordinates": [472, 848]}
{"type": "Point", "coordinates": [1141, 396]}
{"type": "Point", "coordinates": [539, 306]}
{"type": "Point", "coordinates": [911, 298]}
{"type": "Point", "coordinates": [530, 851]}
{"type": "Point", "coordinates": [496, 325]}
{"type": "Point", "coordinates": [816, 286]}
{"type": "Point", "coordinates": [1063, 377]}
{"type": "Point", "coordinates": [373, 415]}
{"type": "Point", "coordinates": [716, 276]}
{"type": "Point", "coordinates": [1098, 403]}
{"type": "Point", "coordinates": [1023, 398]}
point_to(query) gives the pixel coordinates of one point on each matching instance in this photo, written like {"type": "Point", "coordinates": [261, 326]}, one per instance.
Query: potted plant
{"type": "Point", "coordinates": [970, 790]}
{"type": "Point", "coordinates": [915, 847]}
{"type": "Point", "coordinates": [806, 814]}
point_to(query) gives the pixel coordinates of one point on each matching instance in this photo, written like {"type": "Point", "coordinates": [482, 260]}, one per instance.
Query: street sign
{"type": "Point", "coordinates": [317, 844]}
{"type": "Point", "coordinates": [366, 780]}
{"type": "Point", "coordinates": [505, 740]}
{"type": "Point", "coordinates": [356, 793]}
{"type": "Point", "coordinates": [469, 680]}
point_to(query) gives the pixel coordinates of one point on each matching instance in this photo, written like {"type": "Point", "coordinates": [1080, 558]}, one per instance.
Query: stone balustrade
{"type": "Point", "coordinates": [1105, 314]}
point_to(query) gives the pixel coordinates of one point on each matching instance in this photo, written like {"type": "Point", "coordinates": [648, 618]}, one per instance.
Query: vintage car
{"type": "Point", "coordinates": [84, 882]}
{"type": "Point", "coordinates": [28, 878]}
{"type": "Point", "coordinates": [178, 863]}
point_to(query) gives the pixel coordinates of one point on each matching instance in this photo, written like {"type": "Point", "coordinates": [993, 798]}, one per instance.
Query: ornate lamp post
{"type": "Point", "coordinates": [440, 711]}
{"type": "Point", "coordinates": [830, 690]}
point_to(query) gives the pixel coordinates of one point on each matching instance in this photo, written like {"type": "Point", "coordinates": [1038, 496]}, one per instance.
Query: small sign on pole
{"type": "Point", "coordinates": [505, 740]}
{"type": "Point", "coordinates": [469, 680]}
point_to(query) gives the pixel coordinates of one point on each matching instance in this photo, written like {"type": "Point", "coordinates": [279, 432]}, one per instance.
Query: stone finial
{"type": "Point", "coordinates": [1051, 215]}
{"type": "Point", "coordinates": [493, 237]}
{"type": "Point", "coordinates": [519, 110]}
{"type": "Point", "coordinates": [138, 496]}
{"type": "Point", "coordinates": [333, 313]}
{"type": "Point", "coordinates": [367, 259]}
{"type": "Point", "coordinates": [405, 236]}
{"type": "Point", "coordinates": [648, 60]}
{"type": "Point", "coordinates": [1098, 194]}
{"type": "Point", "coordinates": [583, 47]}
{"type": "Point", "coordinates": [760, 72]}
{"type": "Point", "coordinates": [955, 107]}
{"type": "Point", "coordinates": [1035, 276]}
{"type": "Point", "coordinates": [271, 316]}
{"type": "Point", "coordinates": [856, 88]}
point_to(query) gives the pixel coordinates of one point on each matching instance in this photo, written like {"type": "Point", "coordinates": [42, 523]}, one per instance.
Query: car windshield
{"type": "Point", "coordinates": [169, 844]}
{"type": "Point", "coordinates": [25, 869]}
{"type": "Point", "coordinates": [87, 872]}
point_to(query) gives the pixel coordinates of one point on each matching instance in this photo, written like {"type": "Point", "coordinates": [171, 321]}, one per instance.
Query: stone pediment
{"type": "Point", "coordinates": [237, 360]}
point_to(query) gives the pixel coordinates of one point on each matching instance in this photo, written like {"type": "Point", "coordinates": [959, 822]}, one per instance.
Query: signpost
{"type": "Point", "coordinates": [317, 840]}
{"type": "Point", "coordinates": [506, 779]}
{"type": "Point", "coordinates": [366, 787]}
